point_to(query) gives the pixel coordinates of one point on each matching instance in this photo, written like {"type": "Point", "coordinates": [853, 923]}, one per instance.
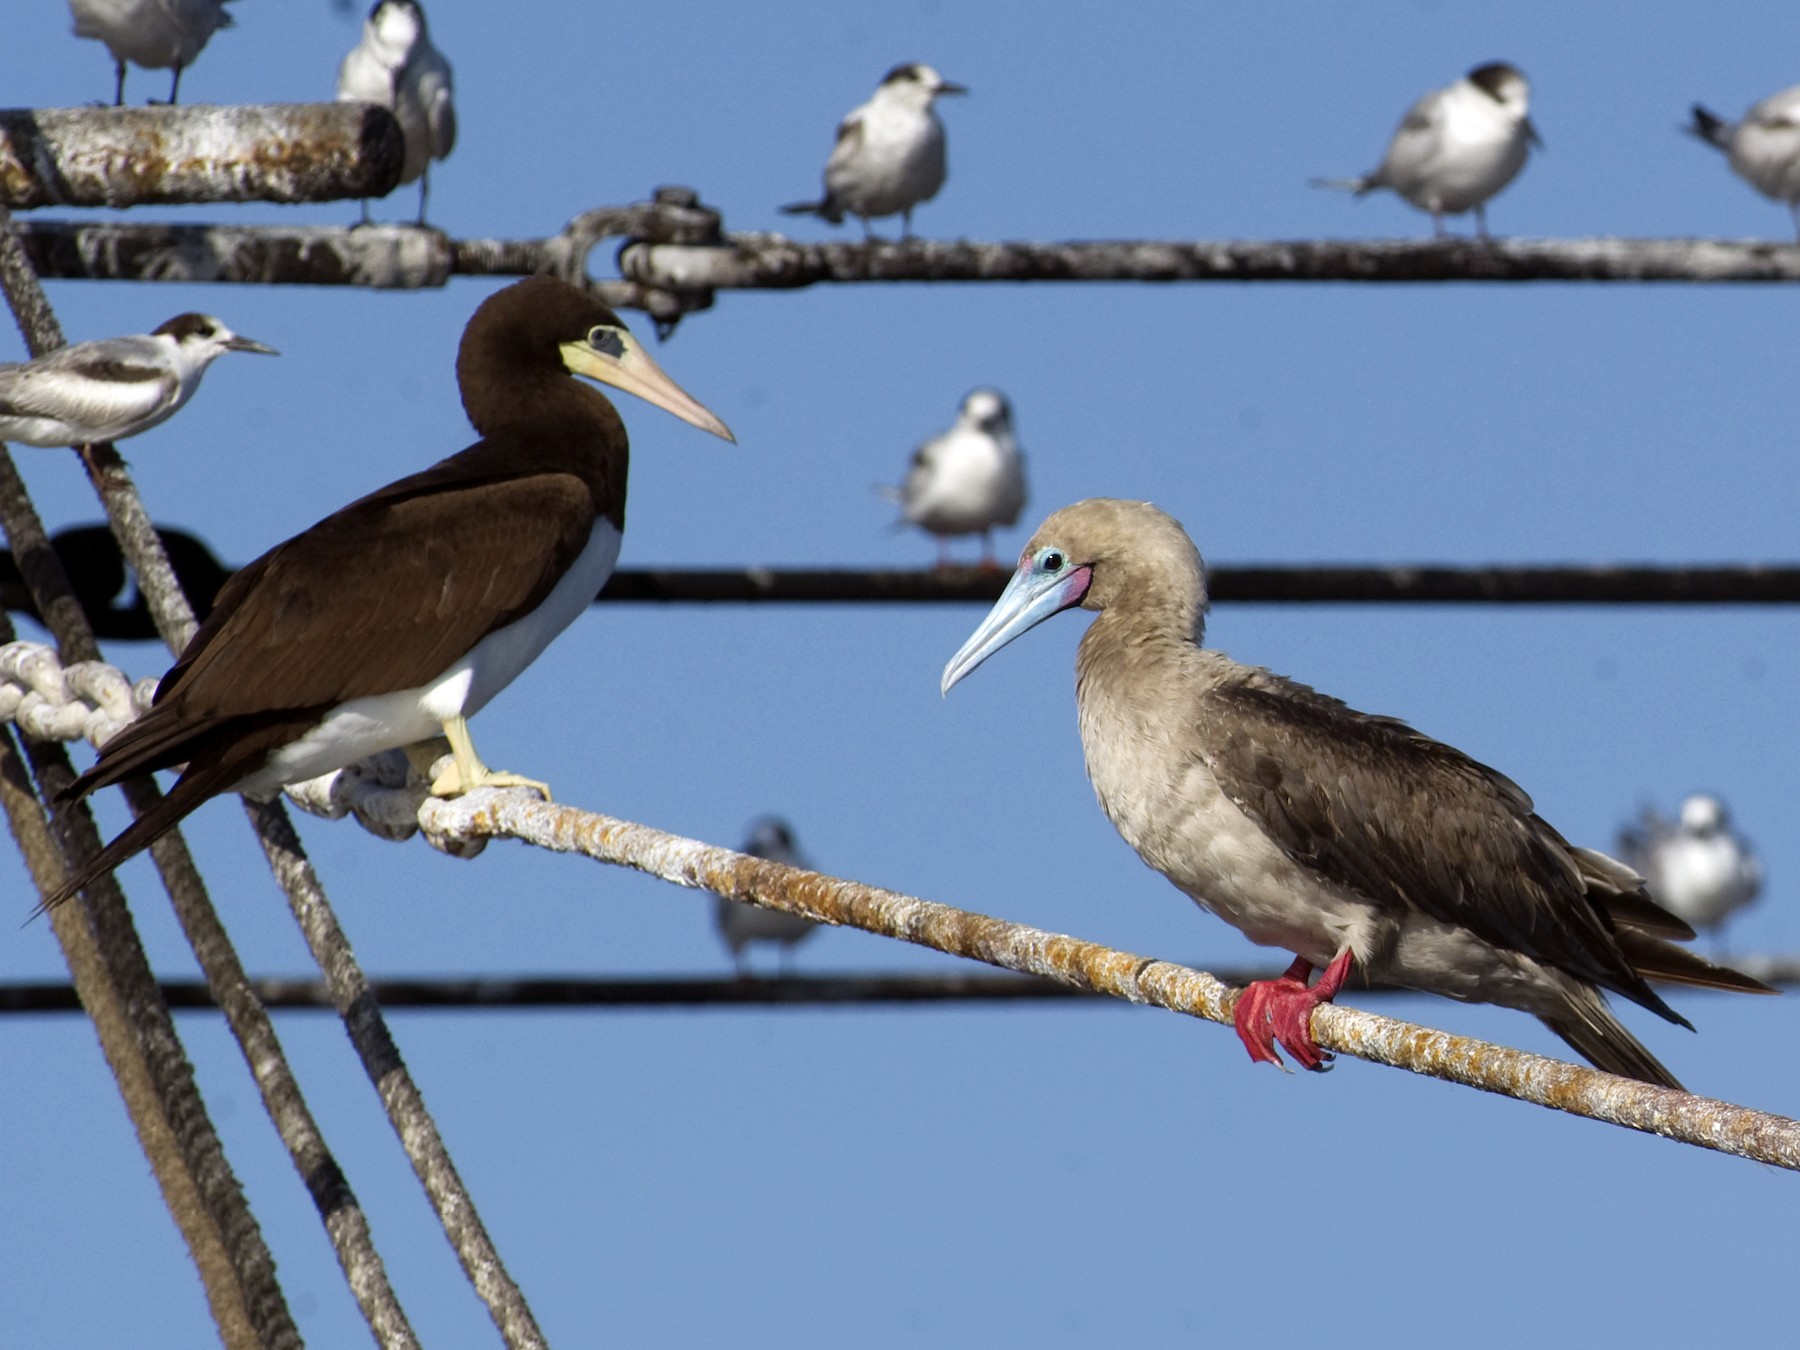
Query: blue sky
{"type": "Point", "coordinates": [1047, 1176]}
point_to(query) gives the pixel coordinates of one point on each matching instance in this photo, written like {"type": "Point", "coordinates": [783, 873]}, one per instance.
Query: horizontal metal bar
{"type": "Point", "coordinates": [1306, 584]}
{"type": "Point", "coordinates": [277, 152]}
{"type": "Point", "coordinates": [775, 262]}
{"type": "Point", "coordinates": [668, 279]}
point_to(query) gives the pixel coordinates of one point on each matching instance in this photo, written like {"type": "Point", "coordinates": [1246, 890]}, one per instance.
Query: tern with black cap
{"type": "Point", "coordinates": [889, 154]}
{"type": "Point", "coordinates": [1457, 146]}
{"type": "Point", "coordinates": [112, 388]}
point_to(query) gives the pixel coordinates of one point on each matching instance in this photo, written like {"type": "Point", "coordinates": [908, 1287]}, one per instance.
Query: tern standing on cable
{"type": "Point", "coordinates": [154, 34]}
{"type": "Point", "coordinates": [1696, 866]}
{"type": "Point", "coordinates": [1457, 146]}
{"type": "Point", "coordinates": [112, 388]}
{"type": "Point", "coordinates": [889, 155]}
{"type": "Point", "coordinates": [968, 480]}
{"type": "Point", "coordinates": [1763, 148]}
{"type": "Point", "coordinates": [396, 66]}
{"type": "Point", "coordinates": [741, 924]}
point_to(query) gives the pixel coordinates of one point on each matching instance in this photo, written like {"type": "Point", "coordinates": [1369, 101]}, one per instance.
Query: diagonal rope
{"type": "Point", "coordinates": [343, 1217]}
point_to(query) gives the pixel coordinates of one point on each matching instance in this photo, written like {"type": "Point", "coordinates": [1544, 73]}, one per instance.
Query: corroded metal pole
{"type": "Point", "coordinates": [518, 814]}
{"type": "Point", "coordinates": [775, 262]}
{"type": "Point", "coordinates": [666, 271]}
{"type": "Point", "coordinates": [279, 152]}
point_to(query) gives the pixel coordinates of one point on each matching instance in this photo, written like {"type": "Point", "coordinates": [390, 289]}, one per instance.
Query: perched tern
{"type": "Point", "coordinates": [396, 66]}
{"type": "Point", "coordinates": [741, 924]}
{"type": "Point", "coordinates": [154, 34]}
{"type": "Point", "coordinates": [1763, 148]}
{"type": "Point", "coordinates": [889, 155]}
{"type": "Point", "coordinates": [1695, 866]}
{"type": "Point", "coordinates": [969, 479]}
{"type": "Point", "coordinates": [1353, 841]}
{"type": "Point", "coordinates": [112, 388]}
{"type": "Point", "coordinates": [1457, 146]}
{"type": "Point", "coordinates": [403, 614]}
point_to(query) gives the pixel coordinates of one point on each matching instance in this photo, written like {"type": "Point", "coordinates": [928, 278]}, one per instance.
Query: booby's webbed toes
{"type": "Point", "coordinates": [452, 782]}
{"type": "Point", "coordinates": [1279, 1011]}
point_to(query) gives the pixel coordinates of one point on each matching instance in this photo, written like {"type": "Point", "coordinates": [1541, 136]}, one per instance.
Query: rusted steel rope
{"type": "Point", "coordinates": [1682, 1116]}
{"type": "Point", "coordinates": [108, 963]}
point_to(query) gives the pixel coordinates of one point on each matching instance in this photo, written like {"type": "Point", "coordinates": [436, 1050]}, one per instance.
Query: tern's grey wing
{"type": "Point", "coordinates": [1409, 823]}
{"type": "Point", "coordinates": [1415, 139]}
{"type": "Point", "coordinates": [922, 469]}
{"type": "Point", "coordinates": [432, 73]}
{"type": "Point", "coordinates": [849, 141]}
{"type": "Point", "coordinates": [1637, 842]}
{"type": "Point", "coordinates": [1776, 111]}
{"type": "Point", "coordinates": [88, 386]}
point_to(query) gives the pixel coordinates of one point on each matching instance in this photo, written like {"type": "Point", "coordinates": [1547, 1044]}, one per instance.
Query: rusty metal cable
{"type": "Point", "coordinates": [1682, 1116]}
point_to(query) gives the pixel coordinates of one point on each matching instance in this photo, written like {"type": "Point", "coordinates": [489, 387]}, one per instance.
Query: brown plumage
{"type": "Point", "coordinates": [1349, 839]}
{"type": "Point", "coordinates": [383, 599]}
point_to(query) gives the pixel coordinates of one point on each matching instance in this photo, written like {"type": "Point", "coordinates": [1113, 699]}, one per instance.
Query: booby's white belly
{"type": "Point", "coordinates": [366, 726]}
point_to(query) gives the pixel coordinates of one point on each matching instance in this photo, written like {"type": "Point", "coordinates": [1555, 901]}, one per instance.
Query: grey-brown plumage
{"type": "Point", "coordinates": [1348, 839]}
{"type": "Point", "coordinates": [403, 613]}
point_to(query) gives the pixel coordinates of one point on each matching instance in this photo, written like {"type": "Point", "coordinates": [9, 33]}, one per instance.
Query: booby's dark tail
{"type": "Point", "coordinates": [207, 776]}
{"type": "Point", "coordinates": [825, 207]}
{"type": "Point", "coordinates": [1708, 127]}
{"type": "Point", "coordinates": [1655, 959]}
{"type": "Point", "coordinates": [1589, 1026]}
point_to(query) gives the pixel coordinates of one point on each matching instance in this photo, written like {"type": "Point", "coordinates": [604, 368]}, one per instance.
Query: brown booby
{"type": "Point", "coordinates": [1348, 839]}
{"type": "Point", "coordinates": [402, 614]}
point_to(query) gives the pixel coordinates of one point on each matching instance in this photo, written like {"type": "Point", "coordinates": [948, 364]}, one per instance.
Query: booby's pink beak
{"type": "Point", "coordinates": [1046, 583]}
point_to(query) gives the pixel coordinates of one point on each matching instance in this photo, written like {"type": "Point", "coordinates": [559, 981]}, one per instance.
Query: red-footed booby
{"type": "Point", "coordinates": [1348, 839]}
{"type": "Point", "coordinates": [404, 613]}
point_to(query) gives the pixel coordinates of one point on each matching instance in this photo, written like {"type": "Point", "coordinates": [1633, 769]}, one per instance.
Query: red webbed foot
{"type": "Point", "coordinates": [1280, 1010]}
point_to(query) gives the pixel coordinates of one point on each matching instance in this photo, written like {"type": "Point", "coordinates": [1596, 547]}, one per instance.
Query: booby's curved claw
{"type": "Point", "coordinates": [466, 772]}
{"type": "Point", "coordinates": [1280, 1011]}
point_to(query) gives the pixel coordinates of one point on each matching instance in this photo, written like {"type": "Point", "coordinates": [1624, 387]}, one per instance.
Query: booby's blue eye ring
{"type": "Point", "coordinates": [607, 340]}
{"type": "Point", "coordinates": [1051, 560]}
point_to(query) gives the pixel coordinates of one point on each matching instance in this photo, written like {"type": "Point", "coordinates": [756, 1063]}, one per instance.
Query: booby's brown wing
{"type": "Point", "coordinates": [382, 595]}
{"type": "Point", "coordinates": [1409, 822]}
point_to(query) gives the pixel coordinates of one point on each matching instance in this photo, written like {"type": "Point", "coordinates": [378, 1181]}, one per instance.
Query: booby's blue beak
{"type": "Point", "coordinates": [1046, 583]}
